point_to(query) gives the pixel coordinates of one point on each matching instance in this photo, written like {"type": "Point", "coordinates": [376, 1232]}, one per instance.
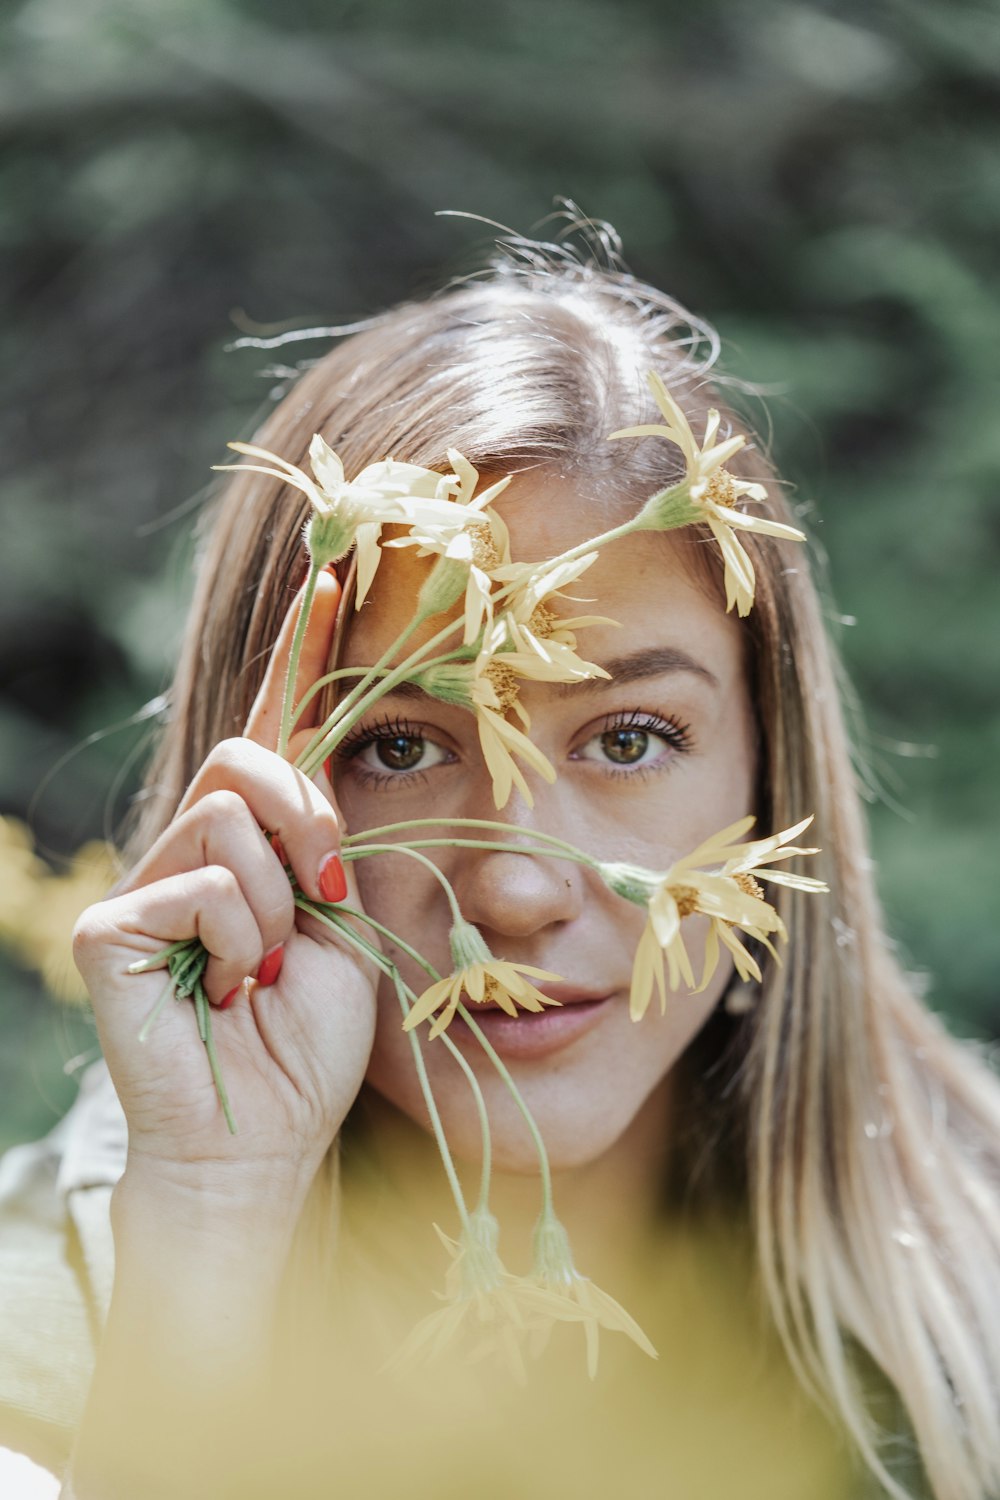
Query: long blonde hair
{"type": "Point", "coordinates": [863, 1139]}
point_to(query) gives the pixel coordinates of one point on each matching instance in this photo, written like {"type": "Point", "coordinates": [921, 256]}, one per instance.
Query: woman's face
{"type": "Point", "coordinates": [649, 764]}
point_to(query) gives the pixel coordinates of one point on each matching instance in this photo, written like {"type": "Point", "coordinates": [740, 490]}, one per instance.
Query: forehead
{"type": "Point", "coordinates": [658, 588]}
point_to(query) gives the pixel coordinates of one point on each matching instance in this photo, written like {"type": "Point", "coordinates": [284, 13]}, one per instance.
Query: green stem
{"type": "Point", "coordinates": [404, 995]}
{"type": "Point", "coordinates": [288, 702]}
{"type": "Point", "coordinates": [358, 850]}
{"type": "Point", "coordinates": [157, 960]}
{"type": "Point", "coordinates": [350, 709]}
{"type": "Point", "coordinates": [536, 1136]}
{"type": "Point", "coordinates": [322, 682]}
{"type": "Point", "coordinates": [203, 1013]}
{"type": "Point", "coordinates": [349, 855]}
{"type": "Point", "coordinates": [316, 751]}
{"type": "Point", "coordinates": [492, 823]}
{"type": "Point", "coordinates": [597, 542]}
{"type": "Point", "coordinates": [429, 969]}
{"type": "Point", "coordinates": [392, 937]}
{"type": "Point", "coordinates": [425, 1086]}
{"type": "Point", "coordinates": [154, 1014]}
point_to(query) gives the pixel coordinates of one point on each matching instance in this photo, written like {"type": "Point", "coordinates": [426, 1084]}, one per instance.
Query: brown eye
{"type": "Point", "coordinates": [625, 747]}
{"type": "Point", "coordinates": [400, 752]}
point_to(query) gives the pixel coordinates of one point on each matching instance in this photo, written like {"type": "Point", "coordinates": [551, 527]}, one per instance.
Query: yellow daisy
{"type": "Point", "coordinates": [730, 896]}
{"type": "Point", "coordinates": [709, 493]}
{"type": "Point", "coordinates": [353, 512]}
{"type": "Point", "coordinates": [533, 628]}
{"type": "Point", "coordinates": [468, 550]}
{"type": "Point", "coordinates": [480, 977]}
{"type": "Point", "coordinates": [488, 687]}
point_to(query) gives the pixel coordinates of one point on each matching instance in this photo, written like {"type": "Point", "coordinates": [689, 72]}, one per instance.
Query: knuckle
{"type": "Point", "coordinates": [221, 884]}
{"type": "Point", "coordinates": [222, 807]}
{"type": "Point", "coordinates": [235, 755]}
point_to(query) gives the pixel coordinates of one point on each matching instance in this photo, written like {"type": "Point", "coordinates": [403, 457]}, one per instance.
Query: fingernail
{"type": "Point", "coordinates": [278, 848]}
{"type": "Point", "coordinates": [270, 966]}
{"type": "Point", "coordinates": [328, 767]}
{"type": "Point", "coordinates": [227, 1000]}
{"type": "Point", "coordinates": [332, 880]}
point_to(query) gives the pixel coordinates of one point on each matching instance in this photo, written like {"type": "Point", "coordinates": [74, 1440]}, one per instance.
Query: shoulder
{"type": "Point", "coordinates": [56, 1267]}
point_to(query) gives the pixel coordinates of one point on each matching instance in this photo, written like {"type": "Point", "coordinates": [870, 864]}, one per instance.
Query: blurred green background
{"type": "Point", "coordinates": [821, 181]}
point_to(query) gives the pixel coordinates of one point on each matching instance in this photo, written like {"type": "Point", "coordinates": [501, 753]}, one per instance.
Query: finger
{"type": "Point", "coordinates": [264, 722]}
{"type": "Point", "coordinates": [283, 802]}
{"type": "Point", "coordinates": [206, 903]}
{"type": "Point", "coordinates": [221, 830]}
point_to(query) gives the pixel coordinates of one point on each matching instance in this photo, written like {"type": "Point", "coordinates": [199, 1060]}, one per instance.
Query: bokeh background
{"type": "Point", "coordinates": [822, 181]}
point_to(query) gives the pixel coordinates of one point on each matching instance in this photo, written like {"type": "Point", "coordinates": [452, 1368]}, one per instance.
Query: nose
{"type": "Point", "coordinates": [514, 893]}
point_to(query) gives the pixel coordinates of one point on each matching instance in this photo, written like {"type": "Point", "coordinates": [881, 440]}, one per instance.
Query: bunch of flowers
{"type": "Point", "coordinates": [498, 629]}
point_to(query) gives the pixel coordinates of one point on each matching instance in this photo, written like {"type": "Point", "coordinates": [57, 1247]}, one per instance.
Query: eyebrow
{"type": "Point", "coordinates": [651, 661]}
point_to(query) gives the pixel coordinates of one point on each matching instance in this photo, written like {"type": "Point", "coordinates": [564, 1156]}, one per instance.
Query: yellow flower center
{"type": "Point", "coordinates": [484, 548]}
{"type": "Point", "coordinates": [687, 900]}
{"type": "Point", "coordinates": [491, 989]}
{"type": "Point", "coordinates": [543, 622]}
{"type": "Point", "coordinates": [504, 683]}
{"type": "Point", "coordinates": [721, 490]}
{"type": "Point", "coordinates": [749, 886]}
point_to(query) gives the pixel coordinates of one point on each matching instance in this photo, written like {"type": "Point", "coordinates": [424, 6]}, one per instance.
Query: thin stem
{"type": "Point", "coordinates": [157, 960]}
{"type": "Point", "coordinates": [402, 994]}
{"type": "Point", "coordinates": [393, 938]}
{"type": "Point", "coordinates": [349, 855]}
{"type": "Point", "coordinates": [536, 833]}
{"type": "Point", "coordinates": [597, 542]}
{"type": "Point", "coordinates": [288, 701]}
{"type": "Point", "coordinates": [357, 850]}
{"type": "Point", "coordinates": [429, 969]}
{"type": "Point", "coordinates": [350, 710]}
{"type": "Point", "coordinates": [316, 752]}
{"type": "Point", "coordinates": [483, 1201]}
{"type": "Point", "coordinates": [154, 1014]}
{"type": "Point", "coordinates": [543, 1156]}
{"type": "Point", "coordinates": [322, 682]}
{"type": "Point", "coordinates": [202, 1011]}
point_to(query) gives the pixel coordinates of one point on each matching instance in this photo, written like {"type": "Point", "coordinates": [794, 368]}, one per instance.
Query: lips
{"type": "Point", "coordinates": [561, 992]}
{"type": "Point", "coordinates": [534, 1035]}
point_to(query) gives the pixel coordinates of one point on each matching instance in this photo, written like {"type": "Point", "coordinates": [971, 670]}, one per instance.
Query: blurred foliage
{"type": "Point", "coordinates": [819, 180]}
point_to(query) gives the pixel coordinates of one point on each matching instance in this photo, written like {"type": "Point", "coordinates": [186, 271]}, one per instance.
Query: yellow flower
{"type": "Point", "coordinates": [488, 687]}
{"type": "Point", "coordinates": [482, 978]}
{"type": "Point", "coordinates": [488, 1312]}
{"type": "Point", "coordinates": [730, 896]}
{"type": "Point", "coordinates": [709, 493]}
{"type": "Point", "coordinates": [40, 908]}
{"type": "Point", "coordinates": [468, 550]}
{"type": "Point", "coordinates": [543, 641]}
{"type": "Point", "coordinates": [353, 512]}
{"type": "Point", "coordinates": [554, 1271]}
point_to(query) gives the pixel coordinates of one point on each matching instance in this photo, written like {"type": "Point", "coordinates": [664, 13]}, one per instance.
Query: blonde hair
{"type": "Point", "coordinates": [865, 1137]}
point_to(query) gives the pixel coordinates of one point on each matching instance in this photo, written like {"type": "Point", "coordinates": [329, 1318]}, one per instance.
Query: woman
{"type": "Point", "coordinates": [821, 1115]}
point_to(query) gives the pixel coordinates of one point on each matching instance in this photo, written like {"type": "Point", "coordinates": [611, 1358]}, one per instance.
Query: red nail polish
{"type": "Point", "coordinates": [227, 1000]}
{"type": "Point", "coordinates": [332, 880]}
{"type": "Point", "coordinates": [279, 848]}
{"type": "Point", "coordinates": [328, 767]}
{"type": "Point", "coordinates": [270, 966]}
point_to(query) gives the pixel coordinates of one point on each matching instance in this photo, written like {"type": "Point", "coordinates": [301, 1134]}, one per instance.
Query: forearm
{"type": "Point", "coordinates": [183, 1367]}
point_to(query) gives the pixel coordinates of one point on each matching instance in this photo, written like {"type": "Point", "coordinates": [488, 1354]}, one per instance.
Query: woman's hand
{"type": "Point", "coordinates": [295, 1010]}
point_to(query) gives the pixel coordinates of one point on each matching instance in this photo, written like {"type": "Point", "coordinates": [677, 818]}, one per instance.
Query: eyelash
{"type": "Point", "coordinates": [673, 731]}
